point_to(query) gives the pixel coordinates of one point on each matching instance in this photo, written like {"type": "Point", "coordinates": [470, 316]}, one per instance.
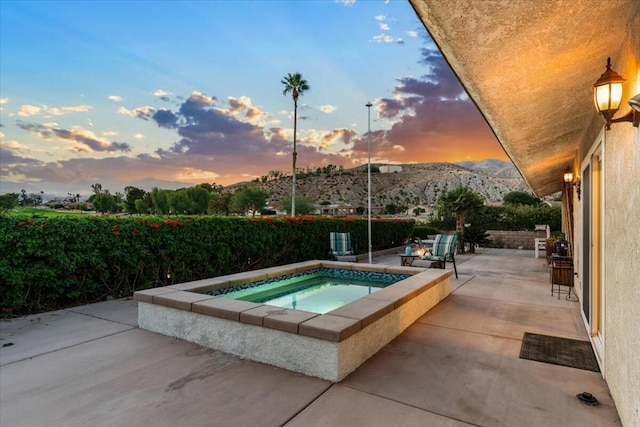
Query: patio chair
{"type": "Point", "coordinates": [341, 248]}
{"type": "Point", "coordinates": [443, 251]}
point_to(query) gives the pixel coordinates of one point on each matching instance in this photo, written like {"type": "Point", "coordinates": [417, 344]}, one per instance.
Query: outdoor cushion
{"type": "Point", "coordinates": [444, 247]}
{"type": "Point", "coordinates": [341, 244]}
{"type": "Point", "coordinates": [443, 251]}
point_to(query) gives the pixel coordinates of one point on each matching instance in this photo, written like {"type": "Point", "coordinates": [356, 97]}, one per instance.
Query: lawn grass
{"type": "Point", "coordinates": [44, 212]}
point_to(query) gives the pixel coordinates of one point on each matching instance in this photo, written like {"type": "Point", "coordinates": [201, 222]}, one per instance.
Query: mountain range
{"type": "Point", "coordinates": [411, 184]}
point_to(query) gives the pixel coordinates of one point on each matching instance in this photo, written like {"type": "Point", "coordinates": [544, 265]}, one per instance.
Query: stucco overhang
{"type": "Point", "coordinates": [529, 65]}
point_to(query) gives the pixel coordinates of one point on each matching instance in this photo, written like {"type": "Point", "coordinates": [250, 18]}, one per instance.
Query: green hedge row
{"type": "Point", "coordinates": [50, 263]}
{"type": "Point", "coordinates": [518, 217]}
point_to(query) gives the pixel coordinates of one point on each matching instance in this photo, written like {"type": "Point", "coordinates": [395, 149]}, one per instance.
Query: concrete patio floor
{"type": "Point", "coordinates": [457, 365]}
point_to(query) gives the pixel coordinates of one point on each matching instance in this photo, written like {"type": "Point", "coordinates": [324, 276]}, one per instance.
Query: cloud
{"type": "Point", "coordinates": [144, 113]}
{"type": "Point", "coordinates": [115, 98]}
{"type": "Point", "coordinates": [162, 94]}
{"type": "Point", "coordinates": [83, 140]}
{"type": "Point", "coordinates": [379, 17]}
{"type": "Point", "coordinates": [346, 2]}
{"type": "Point", "coordinates": [33, 110]}
{"type": "Point", "coordinates": [327, 109]}
{"type": "Point", "coordinates": [78, 108]}
{"type": "Point", "coordinates": [13, 145]}
{"type": "Point", "coordinates": [412, 34]}
{"type": "Point", "coordinates": [432, 119]}
{"type": "Point", "coordinates": [243, 107]}
{"type": "Point", "coordinates": [384, 26]}
{"type": "Point", "coordinates": [138, 136]}
{"type": "Point", "coordinates": [29, 110]}
{"type": "Point", "coordinates": [336, 137]}
{"type": "Point", "coordinates": [164, 118]}
{"type": "Point", "coordinates": [233, 142]}
{"type": "Point", "coordinates": [4, 100]}
{"type": "Point", "coordinates": [385, 38]}
{"type": "Point", "coordinates": [427, 118]}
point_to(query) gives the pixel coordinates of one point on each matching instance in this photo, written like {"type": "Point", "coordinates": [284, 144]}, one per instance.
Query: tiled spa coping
{"type": "Point", "coordinates": [342, 339]}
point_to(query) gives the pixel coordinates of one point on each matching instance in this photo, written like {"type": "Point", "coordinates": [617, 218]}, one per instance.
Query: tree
{"type": "Point", "coordinates": [199, 199]}
{"type": "Point", "coordinates": [178, 201]}
{"type": "Point", "coordinates": [160, 200]}
{"type": "Point", "coordinates": [520, 198]}
{"type": "Point", "coordinates": [97, 188]}
{"type": "Point", "coordinates": [142, 207]}
{"type": "Point", "coordinates": [462, 201]}
{"type": "Point", "coordinates": [295, 84]}
{"type": "Point", "coordinates": [391, 209]}
{"type": "Point", "coordinates": [249, 199]}
{"type": "Point", "coordinates": [220, 203]}
{"type": "Point", "coordinates": [304, 205]}
{"type": "Point", "coordinates": [8, 201]}
{"type": "Point", "coordinates": [35, 198]}
{"type": "Point", "coordinates": [104, 202]}
{"type": "Point", "coordinates": [133, 194]}
{"type": "Point", "coordinates": [206, 186]}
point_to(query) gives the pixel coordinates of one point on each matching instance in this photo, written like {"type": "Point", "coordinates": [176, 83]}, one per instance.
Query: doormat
{"type": "Point", "coordinates": [559, 351]}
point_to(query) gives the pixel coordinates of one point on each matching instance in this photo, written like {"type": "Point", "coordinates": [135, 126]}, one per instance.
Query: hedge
{"type": "Point", "coordinates": [517, 217]}
{"type": "Point", "coordinates": [51, 263]}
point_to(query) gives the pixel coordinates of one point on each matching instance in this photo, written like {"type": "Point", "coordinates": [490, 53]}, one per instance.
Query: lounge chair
{"type": "Point", "coordinates": [341, 248]}
{"type": "Point", "coordinates": [443, 251]}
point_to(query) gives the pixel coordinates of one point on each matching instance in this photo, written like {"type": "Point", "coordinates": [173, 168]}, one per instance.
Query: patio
{"type": "Point", "coordinates": [457, 365]}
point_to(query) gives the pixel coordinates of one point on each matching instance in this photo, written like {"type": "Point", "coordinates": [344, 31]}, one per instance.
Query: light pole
{"type": "Point", "coordinates": [369, 105]}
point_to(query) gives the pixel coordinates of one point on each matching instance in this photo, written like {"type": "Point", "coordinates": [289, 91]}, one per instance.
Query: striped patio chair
{"type": "Point", "coordinates": [444, 249]}
{"type": "Point", "coordinates": [341, 247]}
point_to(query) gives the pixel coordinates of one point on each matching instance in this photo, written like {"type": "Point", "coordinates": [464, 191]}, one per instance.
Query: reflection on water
{"type": "Point", "coordinates": [317, 295]}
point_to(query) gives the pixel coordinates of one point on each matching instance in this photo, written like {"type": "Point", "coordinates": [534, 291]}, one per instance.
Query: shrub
{"type": "Point", "coordinates": [475, 235]}
{"type": "Point", "coordinates": [49, 263]}
{"type": "Point", "coordinates": [424, 230]}
{"type": "Point", "coordinates": [497, 242]}
{"type": "Point", "coordinates": [517, 217]}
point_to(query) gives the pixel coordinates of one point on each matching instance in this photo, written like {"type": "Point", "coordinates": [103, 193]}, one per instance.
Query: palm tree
{"type": "Point", "coordinates": [295, 84]}
{"type": "Point", "coordinates": [461, 200]}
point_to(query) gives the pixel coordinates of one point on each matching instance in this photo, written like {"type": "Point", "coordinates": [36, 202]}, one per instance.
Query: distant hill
{"type": "Point", "coordinates": [416, 184]}
{"type": "Point", "coordinates": [54, 190]}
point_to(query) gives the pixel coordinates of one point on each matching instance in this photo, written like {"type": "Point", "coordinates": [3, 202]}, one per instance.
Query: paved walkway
{"type": "Point", "coordinates": [457, 365]}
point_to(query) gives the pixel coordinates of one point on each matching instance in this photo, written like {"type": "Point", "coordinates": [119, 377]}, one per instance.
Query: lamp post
{"type": "Point", "coordinates": [369, 105]}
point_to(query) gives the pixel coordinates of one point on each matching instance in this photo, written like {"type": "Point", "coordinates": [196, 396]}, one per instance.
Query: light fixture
{"type": "Point", "coordinates": [568, 180]}
{"type": "Point", "coordinates": [568, 177]}
{"type": "Point", "coordinates": [607, 95]}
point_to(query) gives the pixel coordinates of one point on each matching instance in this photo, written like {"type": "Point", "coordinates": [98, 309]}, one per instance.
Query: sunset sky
{"type": "Point", "coordinates": [120, 91]}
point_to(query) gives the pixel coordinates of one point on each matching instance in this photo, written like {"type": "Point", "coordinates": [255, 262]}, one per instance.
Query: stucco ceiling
{"type": "Point", "coordinates": [529, 65]}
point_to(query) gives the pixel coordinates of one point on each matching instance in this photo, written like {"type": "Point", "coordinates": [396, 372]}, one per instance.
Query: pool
{"type": "Point", "coordinates": [319, 291]}
{"type": "Point", "coordinates": [326, 345]}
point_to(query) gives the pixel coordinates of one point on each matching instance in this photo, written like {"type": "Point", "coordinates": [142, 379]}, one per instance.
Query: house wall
{"type": "Point", "coordinates": [622, 270]}
{"type": "Point", "coordinates": [621, 257]}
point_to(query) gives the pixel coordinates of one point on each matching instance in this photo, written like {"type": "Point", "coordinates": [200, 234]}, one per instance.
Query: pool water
{"type": "Point", "coordinates": [318, 291]}
{"type": "Point", "coordinates": [314, 295]}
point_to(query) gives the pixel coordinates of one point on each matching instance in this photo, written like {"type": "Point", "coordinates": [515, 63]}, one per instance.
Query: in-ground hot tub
{"type": "Point", "coordinates": [328, 346]}
{"type": "Point", "coordinates": [317, 290]}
